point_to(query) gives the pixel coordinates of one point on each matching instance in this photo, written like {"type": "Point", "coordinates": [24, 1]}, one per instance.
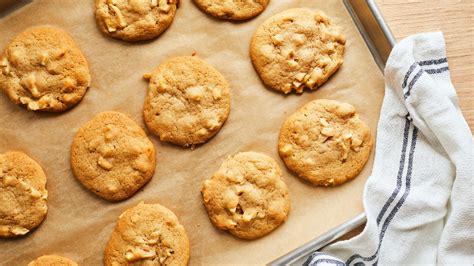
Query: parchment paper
{"type": "Point", "coordinates": [78, 223]}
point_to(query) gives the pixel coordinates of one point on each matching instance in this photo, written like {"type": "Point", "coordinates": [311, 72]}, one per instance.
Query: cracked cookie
{"type": "Point", "coordinates": [52, 260]}
{"type": "Point", "coordinates": [43, 69]}
{"type": "Point", "coordinates": [112, 156]}
{"type": "Point", "coordinates": [23, 194]}
{"type": "Point", "coordinates": [325, 142]}
{"type": "Point", "coordinates": [135, 20]}
{"type": "Point", "coordinates": [297, 49]}
{"type": "Point", "coordinates": [232, 9]}
{"type": "Point", "coordinates": [247, 196]}
{"type": "Point", "coordinates": [187, 102]}
{"type": "Point", "coordinates": [147, 234]}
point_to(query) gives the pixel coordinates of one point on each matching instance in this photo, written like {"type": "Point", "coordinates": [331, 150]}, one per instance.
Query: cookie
{"type": "Point", "coordinates": [112, 156]}
{"type": "Point", "coordinates": [232, 9]}
{"type": "Point", "coordinates": [297, 49]}
{"type": "Point", "coordinates": [135, 20]}
{"type": "Point", "coordinates": [187, 102]}
{"type": "Point", "coordinates": [247, 195]}
{"type": "Point", "coordinates": [325, 142]}
{"type": "Point", "coordinates": [43, 69]}
{"type": "Point", "coordinates": [23, 194]}
{"type": "Point", "coordinates": [52, 260]}
{"type": "Point", "coordinates": [147, 234]}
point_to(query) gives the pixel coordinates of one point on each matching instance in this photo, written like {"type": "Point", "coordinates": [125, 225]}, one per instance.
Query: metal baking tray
{"type": "Point", "coordinates": [380, 41]}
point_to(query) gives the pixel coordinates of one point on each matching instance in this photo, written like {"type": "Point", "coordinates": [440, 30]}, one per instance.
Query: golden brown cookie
{"type": "Point", "coordinates": [187, 102]}
{"type": "Point", "coordinates": [112, 156]}
{"type": "Point", "coordinates": [43, 69]}
{"type": "Point", "coordinates": [325, 142]}
{"type": "Point", "coordinates": [147, 234]}
{"type": "Point", "coordinates": [52, 260]}
{"type": "Point", "coordinates": [232, 9]}
{"type": "Point", "coordinates": [23, 194]}
{"type": "Point", "coordinates": [247, 195]}
{"type": "Point", "coordinates": [135, 20]}
{"type": "Point", "coordinates": [297, 49]}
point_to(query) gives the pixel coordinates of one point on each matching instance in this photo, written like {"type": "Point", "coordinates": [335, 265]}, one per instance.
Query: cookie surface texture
{"type": "Point", "coordinates": [188, 101]}
{"type": "Point", "coordinates": [247, 195]}
{"type": "Point", "coordinates": [23, 194]}
{"type": "Point", "coordinates": [112, 156]}
{"type": "Point", "coordinates": [325, 142]}
{"type": "Point", "coordinates": [43, 69]}
{"type": "Point", "coordinates": [135, 20]}
{"type": "Point", "coordinates": [147, 234]}
{"type": "Point", "coordinates": [232, 9]}
{"type": "Point", "coordinates": [297, 49]}
{"type": "Point", "coordinates": [52, 260]}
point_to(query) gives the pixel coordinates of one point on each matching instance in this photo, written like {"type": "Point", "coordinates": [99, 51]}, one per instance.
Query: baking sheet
{"type": "Point", "coordinates": [79, 223]}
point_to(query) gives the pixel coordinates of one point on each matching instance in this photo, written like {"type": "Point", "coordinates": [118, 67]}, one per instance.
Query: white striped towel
{"type": "Point", "coordinates": [419, 200]}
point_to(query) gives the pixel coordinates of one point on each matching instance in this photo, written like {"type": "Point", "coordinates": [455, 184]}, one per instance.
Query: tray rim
{"type": "Point", "coordinates": [319, 242]}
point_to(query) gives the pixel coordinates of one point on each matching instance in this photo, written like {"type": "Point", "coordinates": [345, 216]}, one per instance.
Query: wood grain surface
{"type": "Point", "coordinates": [455, 18]}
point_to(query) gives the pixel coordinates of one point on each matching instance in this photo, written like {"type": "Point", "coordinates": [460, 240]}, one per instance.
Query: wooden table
{"type": "Point", "coordinates": [455, 18]}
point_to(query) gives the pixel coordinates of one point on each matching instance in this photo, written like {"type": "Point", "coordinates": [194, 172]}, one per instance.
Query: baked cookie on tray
{"type": "Point", "coordinates": [187, 102]}
{"type": "Point", "coordinates": [325, 142]}
{"type": "Point", "coordinates": [23, 194]}
{"type": "Point", "coordinates": [43, 69]}
{"type": "Point", "coordinates": [52, 260]}
{"type": "Point", "coordinates": [296, 49]}
{"type": "Point", "coordinates": [112, 156]}
{"type": "Point", "coordinates": [135, 20]}
{"type": "Point", "coordinates": [232, 9]}
{"type": "Point", "coordinates": [147, 234]}
{"type": "Point", "coordinates": [247, 195]}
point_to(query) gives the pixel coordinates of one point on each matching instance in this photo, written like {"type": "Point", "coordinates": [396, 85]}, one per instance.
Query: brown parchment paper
{"type": "Point", "coordinates": [78, 223]}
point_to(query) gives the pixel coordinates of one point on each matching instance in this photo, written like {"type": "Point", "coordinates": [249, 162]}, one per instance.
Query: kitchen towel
{"type": "Point", "coordinates": [419, 200]}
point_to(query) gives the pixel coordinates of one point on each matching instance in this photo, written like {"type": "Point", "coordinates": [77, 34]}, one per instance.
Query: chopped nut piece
{"type": "Point", "coordinates": [147, 76]}
{"type": "Point", "coordinates": [35, 193]}
{"type": "Point", "coordinates": [69, 84]}
{"type": "Point", "coordinates": [300, 76]}
{"type": "Point", "coordinates": [33, 106]}
{"type": "Point", "coordinates": [19, 231]}
{"type": "Point", "coordinates": [356, 142]}
{"type": "Point", "coordinates": [347, 135]}
{"type": "Point", "coordinates": [278, 39]}
{"type": "Point", "coordinates": [30, 83]}
{"type": "Point", "coordinates": [212, 124]}
{"type": "Point", "coordinates": [293, 63]}
{"type": "Point", "coordinates": [120, 17]}
{"type": "Point", "coordinates": [216, 93]}
{"type": "Point", "coordinates": [328, 131]}
{"type": "Point", "coordinates": [43, 58]}
{"type": "Point", "coordinates": [249, 215]}
{"type": "Point", "coordinates": [296, 84]}
{"type": "Point", "coordinates": [286, 149]}
{"type": "Point", "coordinates": [68, 97]}
{"type": "Point", "coordinates": [195, 92]}
{"type": "Point", "coordinates": [298, 39]}
{"type": "Point", "coordinates": [287, 88]}
{"type": "Point", "coordinates": [323, 122]}
{"type": "Point", "coordinates": [102, 162]}
{"type": "Point", "coordinates": [163, 6]}
{"type": "Point", "coordinates": [231, 223]}
{"type": "Point", "coordinates": [10, 181]}
{"type": "Point", "coordinates": [139, 254]}
{"type": "Point", "coordinates": [154, 3]}
{"type": "Point", "coordinates": [4, 62]}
